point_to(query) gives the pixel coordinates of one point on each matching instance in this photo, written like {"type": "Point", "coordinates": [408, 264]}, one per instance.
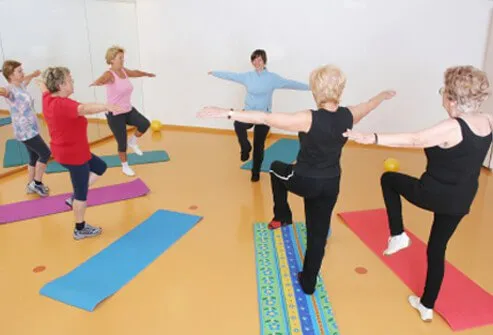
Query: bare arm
{"type": "Point", "coordinates": [447, 131]}
{"type": "Point", "coordinates": [93, 108]}
{"type": "Point", "coordinates": [138, 73]}
{"type": "Point", "coordinates": [4, 92]}
{"type": "Point", "coordinates": [28, 78]}
{"type": "Point", "coordinates": [298, 121]}
{"type": "Point", "coordinates": [363, 109]}
{"type": "Point", "coordinates": [106, 78]}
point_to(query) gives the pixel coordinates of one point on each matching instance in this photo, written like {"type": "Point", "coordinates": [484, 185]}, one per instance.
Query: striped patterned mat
{"type": "Point", "coordinates": [284, 308]}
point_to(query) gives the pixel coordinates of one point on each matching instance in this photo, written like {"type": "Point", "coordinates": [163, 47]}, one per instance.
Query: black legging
{"type": "Point", "coordinates": [259, 135]}
{"type": "Point", "coordinates": [320, 196]}
{"type": "Point", "coordinates": [118, 125]}
{"type": "Point", "coordinates": [38, 150]}
{"type": "Point", "coordinates": [393, 186]}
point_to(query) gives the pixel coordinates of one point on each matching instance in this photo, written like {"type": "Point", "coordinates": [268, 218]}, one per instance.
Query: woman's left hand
{"type": "Point", "coordinates": [213, 112]}
{"type": "Point", "coordinates": [152, 75]}
{"type": "Point", "coordinates": [363, 138]}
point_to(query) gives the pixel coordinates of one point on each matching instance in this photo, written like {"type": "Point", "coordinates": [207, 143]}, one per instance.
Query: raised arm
{"type": "Point", "coordinates": [298, 121]}
{"type": "Point", "coordinates": [443, 132]}
{"type": "Point", "coordinates": [106, 78]}
{"type": "Point", "coordinates": [28, 78]}
{"type": "Point", "coordinates": [93, 108]}
{"type": "Point", "coordinates": [4, 92]}
{"type": "Point", "coordinates": [138, 73]}
{"type": "Point", "coordinates": [363, 109]}
{"type": "Point", "coordinates": [283, 83]}
{"type": "Point", "coordinates": [231, 76]}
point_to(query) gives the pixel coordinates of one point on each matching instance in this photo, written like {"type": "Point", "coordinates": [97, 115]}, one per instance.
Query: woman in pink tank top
{"type": "Point", "coordinates": [119, 92]}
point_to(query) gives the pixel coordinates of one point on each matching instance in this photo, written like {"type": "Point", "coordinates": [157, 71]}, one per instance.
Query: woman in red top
{"type": "Point", "coordinates": [69, 144]}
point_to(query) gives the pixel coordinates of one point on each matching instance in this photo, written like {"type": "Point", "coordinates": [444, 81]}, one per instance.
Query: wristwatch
{"type": "Point", "coordinates": [230, 113]}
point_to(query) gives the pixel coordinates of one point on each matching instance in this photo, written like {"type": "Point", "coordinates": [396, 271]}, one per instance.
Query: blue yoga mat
{"type": "Point", "coordinates": [15, 154]}
{"type": "Point", "coordinates": [108, 271]}
{"type": "Point", "coordinates": [284, 150]}
{"type": "Point", "coordinates": [114, 160]}
{"type": "Point", "coordinates": [5, 120]}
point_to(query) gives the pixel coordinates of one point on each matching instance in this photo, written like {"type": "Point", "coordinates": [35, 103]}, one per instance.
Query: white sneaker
{"type": "Point", "coordinates": [397, 243]}
{"type": "Point", "coordinates": [426, 313]}
{"type": "Point", "coordinates": [132, 143]}
{"type": "Point", "coordinates": [128, 171]}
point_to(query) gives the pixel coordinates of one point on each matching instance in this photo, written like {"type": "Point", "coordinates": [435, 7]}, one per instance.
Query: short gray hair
{"type": "Point", "coordinates": [54, 77]}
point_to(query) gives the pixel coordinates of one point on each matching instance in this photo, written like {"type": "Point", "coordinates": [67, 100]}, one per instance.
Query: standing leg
{"type": "Point", "coordinates": [259, 136]}
{"type": "Point", "coordinates": [117, 124]}
{"type": "Point", "coordinates": [318, 212]}
{"type": "Point", "coordinates": [39, 154]}
{"type": "Point", "coordinates": [280, 174]}
{"type": "Point", "coordinates": [442, 230]}
{"type": "Point", "coordinates": [134, 118]}
{"type": "Point", "coordinates": [241, 133]}
{"type": "Point", "coordinates": [393, 186]}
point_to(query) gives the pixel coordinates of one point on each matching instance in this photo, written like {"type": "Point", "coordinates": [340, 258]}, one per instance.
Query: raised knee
{"type": "Point", "coordinates": [385, 178]}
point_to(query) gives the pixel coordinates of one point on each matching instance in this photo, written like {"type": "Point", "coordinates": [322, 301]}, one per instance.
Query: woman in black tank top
{"type": "Point", "coordinates": [316, 175]}
{"type": "Point", "coordinates": [455, 155]}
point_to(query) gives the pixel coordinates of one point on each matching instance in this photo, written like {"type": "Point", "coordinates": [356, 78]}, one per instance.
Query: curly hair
{"type": "Point", "coordinates": [54, 77]}
{"type": "Point", "coordinates": [467, 86]}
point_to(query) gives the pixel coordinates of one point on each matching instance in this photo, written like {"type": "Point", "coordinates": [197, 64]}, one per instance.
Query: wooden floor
{"type": "Point", "coordinates": [206, 283]}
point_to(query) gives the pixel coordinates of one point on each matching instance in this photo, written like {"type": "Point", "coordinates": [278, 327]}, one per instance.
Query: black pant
{"type": "Point", "coordinates": [259, 135]}
{"type": "Point", "coordinates": [393, 186]}
{"type": "Point", "coordinates": [320, 196]}
{"type": "Point", "coordinates": [118, 125]}
{"type": "Point", "coordinates": [79, 174]}
{"type": "Point", "coordinates": [38, 150]}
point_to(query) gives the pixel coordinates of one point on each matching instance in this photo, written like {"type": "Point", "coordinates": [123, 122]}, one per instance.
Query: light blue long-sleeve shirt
{"type": "Point", "coordinates": [260, 87]}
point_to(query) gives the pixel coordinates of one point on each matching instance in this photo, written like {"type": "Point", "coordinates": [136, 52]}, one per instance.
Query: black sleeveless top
{"type": "Point", "coordinates": [451, 177]}
{"type": "Point", "coordinates": [321, 146]}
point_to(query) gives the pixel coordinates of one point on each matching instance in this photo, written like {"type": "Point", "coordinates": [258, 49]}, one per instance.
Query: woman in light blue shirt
{"type": "Point", "coordinates": [260, 85]}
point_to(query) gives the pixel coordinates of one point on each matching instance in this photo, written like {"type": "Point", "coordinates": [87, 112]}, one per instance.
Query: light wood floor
{"type": "Point", "coordinates": [206, 283]}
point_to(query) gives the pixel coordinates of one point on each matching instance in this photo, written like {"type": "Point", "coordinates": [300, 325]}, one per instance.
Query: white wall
{"type": "Point", "coordinates": [401, 44]}
{"type": "Point", "coordinates": [71, 33]}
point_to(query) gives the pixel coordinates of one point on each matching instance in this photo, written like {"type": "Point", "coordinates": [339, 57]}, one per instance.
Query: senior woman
{"type": "Point", "coordinates": [455, 149]}
{"type": "Point", "coordinates": [317, 172]}
{"type": "Point", "coordinates": [260, 85]}
{"type": "Point", "coordinates": [118, 92]}
{"type": "Point", "coordinates": [69, 143]}
{"type": "Point", "coordinates": [25, 123]}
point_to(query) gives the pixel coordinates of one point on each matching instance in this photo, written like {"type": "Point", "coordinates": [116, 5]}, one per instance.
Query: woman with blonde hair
{"type": "Point", "coordinates": [69, 143]}
{"type": "Point", "coordinates": [118, 92]}
{"type": "Point", "coordinates": [455, 149]}
{"type": "Point", "coordinates": [316, 174]}
{"type": "Point", "coordinates": [25, 123]}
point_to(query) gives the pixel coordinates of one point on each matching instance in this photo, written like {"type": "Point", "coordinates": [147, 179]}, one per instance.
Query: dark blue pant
{"type": "Point", "coordinates": [80, 175]}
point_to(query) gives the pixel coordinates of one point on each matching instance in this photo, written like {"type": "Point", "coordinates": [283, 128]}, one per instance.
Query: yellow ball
{"type": "Point", "coordinates": [391, 164]}
{"type": "Point", "coordinates": [156, 125]}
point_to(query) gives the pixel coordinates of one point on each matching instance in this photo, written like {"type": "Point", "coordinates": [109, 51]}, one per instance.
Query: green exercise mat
{"type": "Point", "coordinates": [15, 154]}
{"type": "Point", "coordinates": [114, 160]}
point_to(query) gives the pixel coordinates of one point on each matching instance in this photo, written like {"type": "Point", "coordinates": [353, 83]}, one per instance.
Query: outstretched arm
{"type": "Point", "coordinates": [138, 73]}
{"type": "Point", "coordinates": [232, 76]}
{"type": "Point", "coordinates": [299, 121]}
{"type": "Point", "coordinates": [93, 108]}
{"type": "Point", "coordinates": [363, 109]}
{"type": "Point", "coordinates": [106, 78]}
{"type": "Point", "coordinates": [28, 78]}
{"type": "Point", "coordinates": [4, 92]}
{"type": "Point", "coordinates": [288, 84]}
{"type": "Point", "coordinates": [443, 132]}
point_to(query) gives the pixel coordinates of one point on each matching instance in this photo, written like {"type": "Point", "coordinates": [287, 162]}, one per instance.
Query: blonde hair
{"type": "Point", "coordinates": [54, 77]}
{"type": "Point", "coordinates": [327, 84]}
{"type": "Point", "coordinates": [9, 67]}
{"type": "Point", "coordinates": [112, 52]}
{"type": "Point", "coordinates": [467, 86]}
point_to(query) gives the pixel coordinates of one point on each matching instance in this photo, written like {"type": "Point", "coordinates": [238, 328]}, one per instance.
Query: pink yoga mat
{"type": "Point", "coordinates": [56, 204]}
{"type": "Point", "coordinates": [461, 302]}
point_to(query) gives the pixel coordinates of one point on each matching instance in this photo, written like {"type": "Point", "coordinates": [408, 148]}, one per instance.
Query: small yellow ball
{"type": "Point", "coordinates": [391, 165]}
{"type": "Point", "coordinates": [156, 125]}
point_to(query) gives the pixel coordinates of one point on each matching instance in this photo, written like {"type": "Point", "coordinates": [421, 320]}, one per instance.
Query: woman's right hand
{"type": "Point", "coordinates": [114, 109]}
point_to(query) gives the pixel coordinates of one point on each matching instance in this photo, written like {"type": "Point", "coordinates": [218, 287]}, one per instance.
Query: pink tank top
{"type": "Point", "coordinates": [119, 92]}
